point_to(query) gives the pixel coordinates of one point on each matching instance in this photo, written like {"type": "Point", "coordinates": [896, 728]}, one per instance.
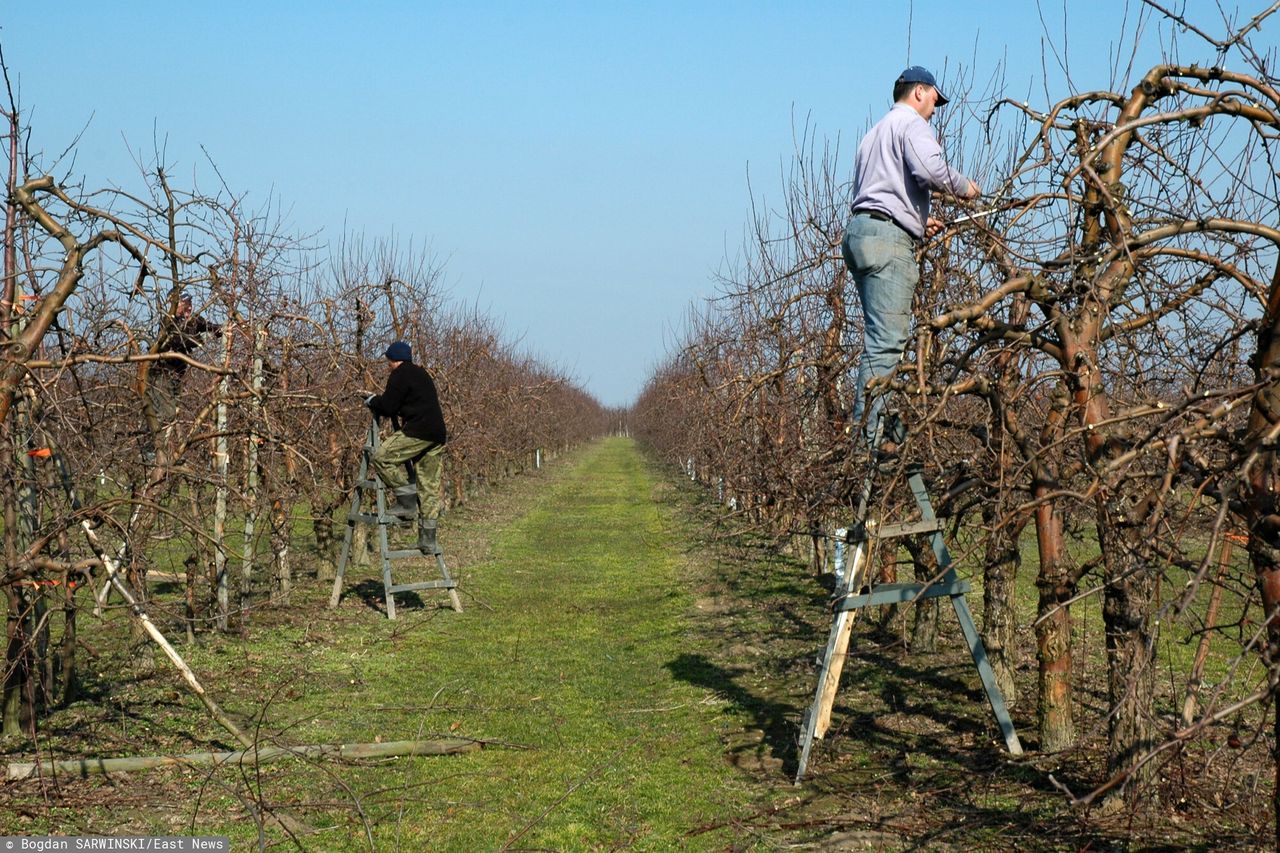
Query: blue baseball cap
{"type": "Point", "coordinates": [919, 74]}
{"type": "Point", "coordinates": [399, 351]}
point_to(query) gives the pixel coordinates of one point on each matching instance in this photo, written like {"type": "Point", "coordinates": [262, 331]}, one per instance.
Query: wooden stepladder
{"type": "Point", "coordinates": [369, 485]}
{"type": "Point", "coordinates": [864, 536]}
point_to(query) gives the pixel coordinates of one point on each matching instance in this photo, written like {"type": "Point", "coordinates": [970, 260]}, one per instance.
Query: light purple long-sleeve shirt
{"type": "Point", "coordinates": [899, 163]}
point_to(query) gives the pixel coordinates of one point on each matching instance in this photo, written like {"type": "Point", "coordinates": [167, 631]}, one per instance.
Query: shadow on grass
{"type": "Point", "coordinates": [771, 718]}
{"type": "Point", "coordinates": [374, 596]}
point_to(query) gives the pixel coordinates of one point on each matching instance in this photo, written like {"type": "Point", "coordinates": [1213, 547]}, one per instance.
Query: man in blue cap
{"type": "Point", "coordinates": [410, 395]}
{"type": "Point", "coordinates": [899, 164]}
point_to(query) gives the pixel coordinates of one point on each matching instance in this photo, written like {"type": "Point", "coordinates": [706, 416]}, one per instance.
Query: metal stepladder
{"type": "Point", "coordinates": [848, 599]}
{"type": "Point", "coordinates": [368, 484]}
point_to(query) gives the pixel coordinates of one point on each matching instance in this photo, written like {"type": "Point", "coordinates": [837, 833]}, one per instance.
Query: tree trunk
{"type": "Point", "coordinates": [21, 521]}
{"type": "Point", "coordinates": [14, 664]}
{"type": "Point", "coordinates": [926, 613]}
{"type": "Point", "coordinates": [323, 528]}
{"type": "Point", "coordinates": [1262, 509]}
{"type": "Point", "coordinates": [221, 468]}
{"type": "Point", "coordinates": [69, 685]}
{"type": "Point", "coordinates": [999, 589]}
{"type": "Point", "coordinates": [190, 567]}
{"type": "Point", "coordinates": [280, 519]}
{"type": "Point", "coordinates": [40, 685]}
{"type": "Point", "coordinates": [252, 474]}
{"type": "Point", "coordinates": [1130, 640]}
{"type": "Point", "coordinates": [250, 523]}
{"type": "Point", "coordinates": [884, 569]}
{"type": "Point", "coordinates": [1053, 631]}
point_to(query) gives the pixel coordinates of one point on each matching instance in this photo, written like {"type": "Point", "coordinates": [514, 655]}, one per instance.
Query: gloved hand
{"type": "Point", "coordinates": [368, 401]}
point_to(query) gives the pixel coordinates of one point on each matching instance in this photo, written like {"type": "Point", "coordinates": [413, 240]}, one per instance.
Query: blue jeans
{"type": "Point", "coordinates": [882, 259]}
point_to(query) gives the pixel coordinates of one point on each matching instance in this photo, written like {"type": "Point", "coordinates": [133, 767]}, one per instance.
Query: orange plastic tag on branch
{"type": "Point", "coordinates": [40, 453]}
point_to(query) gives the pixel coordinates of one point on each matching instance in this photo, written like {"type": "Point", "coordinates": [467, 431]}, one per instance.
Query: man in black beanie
{"type": "Point", "coordinates": [410, 396]}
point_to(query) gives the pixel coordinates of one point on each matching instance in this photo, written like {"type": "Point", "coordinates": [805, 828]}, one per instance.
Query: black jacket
{"type": "Point", "coordinates": [181, 336]}
{"type": "Point", "coordinates": [411, 396]}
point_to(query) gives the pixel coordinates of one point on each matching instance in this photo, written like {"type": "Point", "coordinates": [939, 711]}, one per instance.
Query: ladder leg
{"type": "Point", "coordinates": [453, 592]}
{"type": "Point", "coordinates": [382, 550]}
{"type": "Point", "coordinates": [380, 501]}
{"type": "Point", "coordinates": [818, 718]}
{"type": "Point", "coordinates": [971, 636]}
{"type": "Point", "coordinates": [988, 675]}
{"type": "Point", "coordinates": [386, 579]}
{"type": "Point", "coordinates": [346, 553]}
{"type": "Point", "coordinates": [838, 645]}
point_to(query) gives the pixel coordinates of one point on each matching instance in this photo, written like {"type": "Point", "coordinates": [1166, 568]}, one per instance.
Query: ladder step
{"type": "Point", "coordinates": [897, 593]}
{"type": "Point", "coordinates": [890, 531]}
{"type": "Point", "coordinates": [410, 587]}
{"type": "Point", "coordinates": [374, 518]}
{"type": "Point", "coordinates": [405, 553]}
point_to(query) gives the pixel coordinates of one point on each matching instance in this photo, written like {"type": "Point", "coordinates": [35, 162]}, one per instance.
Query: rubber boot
{"type": "Point", "coordinates": [427, 536]}
{"type": "Point", "coordinates": [406, 506]}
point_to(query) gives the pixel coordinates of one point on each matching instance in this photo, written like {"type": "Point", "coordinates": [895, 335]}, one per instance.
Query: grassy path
{"type": "Point", "coordinates": [571, 656]}
{"type": "Point", "coordinates": [567, 656]}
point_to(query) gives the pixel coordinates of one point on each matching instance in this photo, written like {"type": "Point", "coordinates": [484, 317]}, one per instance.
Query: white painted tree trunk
{"type": "Point", "coordinates": [221, 464]}
{"type": "Point", "coordinates": [251, 476]}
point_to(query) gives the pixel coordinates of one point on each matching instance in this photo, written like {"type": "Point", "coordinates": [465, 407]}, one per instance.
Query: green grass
{"type": "Point", "coordinates": [568, 656]}
{"type": "Point", "coordinates": [564, 662]}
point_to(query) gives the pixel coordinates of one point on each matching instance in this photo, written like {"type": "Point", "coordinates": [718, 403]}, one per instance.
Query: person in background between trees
{"type": "Point", "coordinates": [899, 163]}
{"type": "Point", "coordinates": [410, 395]}
{"type": "Point", "coordinates": [179, 333]}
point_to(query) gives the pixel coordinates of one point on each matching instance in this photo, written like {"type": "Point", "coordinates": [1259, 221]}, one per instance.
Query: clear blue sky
{"type": "Point", "coordinates": [581, 167]}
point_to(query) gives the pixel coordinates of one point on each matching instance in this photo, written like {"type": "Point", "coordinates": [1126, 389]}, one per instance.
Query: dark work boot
{"type": "Point", "coordinates": [427, 536]}
{"type": "Point", "coordinates": [406, 506]}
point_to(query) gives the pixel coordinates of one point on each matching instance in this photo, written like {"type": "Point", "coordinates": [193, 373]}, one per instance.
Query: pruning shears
{"type": "Point", "coordinates": [999, 205]}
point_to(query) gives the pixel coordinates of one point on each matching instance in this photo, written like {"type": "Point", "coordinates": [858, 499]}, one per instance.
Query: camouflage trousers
{"type": "Point", "coordinates": [389, 464]}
